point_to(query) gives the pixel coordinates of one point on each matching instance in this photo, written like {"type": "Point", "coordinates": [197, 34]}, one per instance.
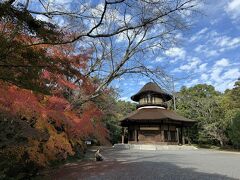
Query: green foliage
{"type": "Point", "coordinates": [114, 111]}
{"type": "Point", "coordinates": [125, 107]}
{"type": "Point", "coordinates": [213, 111]}
{"type": "Point", "coordinates": [201, 103]}
{"type": "Point", "coordinates": [112, 124]}
{"type": "Point", "coordinates": [234, 132]}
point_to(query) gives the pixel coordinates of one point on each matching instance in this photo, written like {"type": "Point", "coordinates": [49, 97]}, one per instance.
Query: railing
{"type": "Point", "coordinates": [150, 104]}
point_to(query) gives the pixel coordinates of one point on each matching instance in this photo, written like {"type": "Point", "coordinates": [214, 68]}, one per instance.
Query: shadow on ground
{"type": "Point", "coordinates": [125, 167]}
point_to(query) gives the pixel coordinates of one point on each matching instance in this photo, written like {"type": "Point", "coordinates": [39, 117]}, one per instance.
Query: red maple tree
{"type": "Point", "coordinates": [37, 85]}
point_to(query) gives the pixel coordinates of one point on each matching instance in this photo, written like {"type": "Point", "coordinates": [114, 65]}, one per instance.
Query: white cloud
{"type": "Point", "coordinates": [61, 1]}
{"type": "Point", "coordinates": [194, 38]}
{"type": "Point", "coordinates": [116, 86]}
{"type": "Point", "coordinates": [215, 74]}
{"type": "Point", "coordinates": [222, 86]}
{"type": "Point", "coordinates": [176, 52]}
{"type": "Point", "coordinates": [123, 37]}
{"type": "Point", "coordinates": [221, 76]}
{"type": "Point", "coordinates": [199, 48]}
{"type": "Point", "coordinates": [186, 67]}
{"type": "Point", "coordinates": [222, 62]}
{"type": "Point", "coordinates": [213, 43]}
{"type": "Point", "coordinates": [218, 68]}
{"type": "Point", "coordinates": [173, 60]}
{"type": "Point", "coordinates": [59, 5]}
{"type": "Point", "coordinates": [202, 31]}
{"type": "Point", "coordinates": [142, 83]}
{"type": "Point", "coordinates": [204, 77]}
{"type": "Point", "coordinates": [233, 9]}
{"type": "Point", "coordinates": [42, 18]}
{"type": "Point", "coordinates": [179, 36]}
{"type": "Point", "coordinates": [125, 99]}
{"type": "Point", "coordinates": [176, 70]}
{"type": "Point", "coordinates": [159, 59]}
{"type": "Point", "coordinates": [192, 83]}
{"type": "Point", "coordinates": [190, 66]}
{"type": "Point", "coordinates": [59, 21]}
{"type": "Point", "coordinates": [210, 53]}
{"type": "Point", "coordinates": [227, 42]}
{"type": "Point", "coordinates": [150, 67]}
{"type": "Point", "coordinates": [231, 73]}
{"type": "Point", "coordinates": [214, 21]}
{"type": "Point", "coordinates": [205, 50]}
{"type": "Point", "coordinates": [199, 34]}
{"type": "Point", "coordinates": [223, 79]}
{"type": "Point", "coordinates": [203, 67]}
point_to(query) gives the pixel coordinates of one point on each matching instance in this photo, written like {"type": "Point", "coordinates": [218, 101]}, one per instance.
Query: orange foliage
{"type": "Point", "coordinates": [55, 68]}
{"type": "Point", "coordinates": [18, 101]}
{"type": "Point", "coordinates": [55, 116]}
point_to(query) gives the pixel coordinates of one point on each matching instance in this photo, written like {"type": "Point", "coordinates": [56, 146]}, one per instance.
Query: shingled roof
{"type": "Point", "coordinates": [154, 115]}
{"type": "Point", "coordinates": [154, 89]}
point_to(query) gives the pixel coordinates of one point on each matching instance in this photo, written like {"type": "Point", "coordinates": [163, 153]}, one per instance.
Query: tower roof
{"type": "Point", "coordinates": [153, 88]}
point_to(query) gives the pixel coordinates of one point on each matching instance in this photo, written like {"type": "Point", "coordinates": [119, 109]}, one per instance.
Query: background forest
{"type": "Point", "coordinates": [217, 114]}
{"type": "Point", "coordinates": [55, 79]}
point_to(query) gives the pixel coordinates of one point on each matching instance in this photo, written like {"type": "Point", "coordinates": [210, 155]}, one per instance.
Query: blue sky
{"type": "Point", "coordinates": [208, 52]}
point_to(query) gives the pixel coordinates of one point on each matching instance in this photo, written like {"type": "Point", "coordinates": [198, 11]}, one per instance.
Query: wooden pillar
{"type": "Point", "coordinates": [178, 135]}
{"type": "Point", "coordinates": [183, 138]}
{"type": "Point", "coordinates": [128, 137]}
{"type": "Point", "coordinates": [123, 134]}
{"type": "Point", "coordinates": [135, 133]}
{"type": "Point", "coordinates": [159, 139]}
{"type": "Point", "coordinates": [162, 133]}
{"type": "Point", "coordinates": [188, 141]}
{"type": "Point", "coordinates": [169, 135]}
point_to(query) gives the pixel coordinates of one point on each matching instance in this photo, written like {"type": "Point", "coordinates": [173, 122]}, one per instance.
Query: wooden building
{"type": "Point", "coordinates": [152, 122]}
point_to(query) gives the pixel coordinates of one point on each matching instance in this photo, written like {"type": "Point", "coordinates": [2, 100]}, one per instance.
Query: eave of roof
{"type": "Point", "coordinates": [154, 114]}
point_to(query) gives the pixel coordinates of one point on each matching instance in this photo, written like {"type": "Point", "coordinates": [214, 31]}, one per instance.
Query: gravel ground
{"type": "Point", "coordinates": [142, 164]}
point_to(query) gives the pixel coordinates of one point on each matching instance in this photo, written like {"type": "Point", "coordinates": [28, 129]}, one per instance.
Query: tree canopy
{"type": "Point", "coordinates": [216, 113]}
